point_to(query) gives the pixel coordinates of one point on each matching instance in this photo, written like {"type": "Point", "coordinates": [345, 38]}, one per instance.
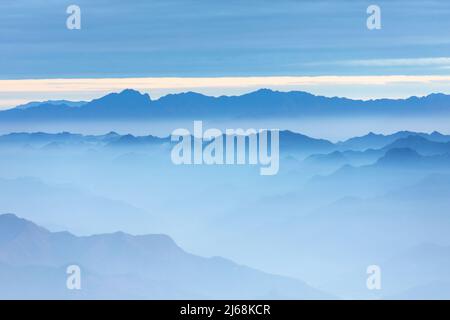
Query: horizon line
{"type": "Point", "coordinates": [15, 92]}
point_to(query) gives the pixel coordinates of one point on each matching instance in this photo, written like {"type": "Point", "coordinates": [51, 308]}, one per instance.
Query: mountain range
{"type": "Point", "coordinates": [33, 262]}
{"type": "Point", "coordinates": [371, 146]}
{"type": "Point", "coordinates": [131, 104]}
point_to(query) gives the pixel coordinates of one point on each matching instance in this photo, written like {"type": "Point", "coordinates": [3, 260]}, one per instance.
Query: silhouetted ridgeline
{"type": "Point", "coordinates": [120, 265]}
{"type": "Point", "coordinates": [130, 104]}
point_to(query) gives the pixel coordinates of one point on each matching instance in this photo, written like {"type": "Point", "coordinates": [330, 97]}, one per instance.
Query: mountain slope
{"type": "Point", "coordinates": [154, 258]}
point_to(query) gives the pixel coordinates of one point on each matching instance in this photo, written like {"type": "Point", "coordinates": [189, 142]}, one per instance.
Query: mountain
{"type": "Point", "coordinates": [400, 157]}
{"type": "Point", "coordinates": [38, 140]}
{"type": "Point", "coordinates": [299, 143]}
{"type": "Point", "coordinates": [334, 158]}
{"type": "Point", "coordinates": [290, 142]}
{"type": "Point", "coordinates": [133, 141]}
{"type": "Point", "coordinates": [35, 104]}
{"type": "Point", "coordinates": [319, 152]}
{"type": "Point", "coordinates": [349, 157]}
{"type": "Point", "coordinates": [130, 104]}
{"type": "Point", "coordinates": [407, 158]}
{"type": "Point", "coordinates": [126, 104]}
{"type": "Point", "coordinates": [397, 168]}
{"type": "Point", "coordinates": [156, 259]}
{"type": "Point", "coordinates": [406, 146]}
{"type": "Point", "coordinates": [421, 145]}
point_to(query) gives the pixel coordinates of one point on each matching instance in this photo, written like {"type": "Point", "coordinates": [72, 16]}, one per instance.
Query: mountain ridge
{"type": "Point", "coordinates": [131, 104]}
{"type": "Point", "coordinates": [152, 257]}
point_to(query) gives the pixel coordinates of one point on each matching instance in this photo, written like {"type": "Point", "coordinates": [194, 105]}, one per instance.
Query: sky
{"type": "Point", "coordinates": [192, 41]}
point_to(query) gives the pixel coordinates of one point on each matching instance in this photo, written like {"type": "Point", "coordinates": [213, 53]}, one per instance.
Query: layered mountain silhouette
{"type": "Point", "coordinates": [64, 103]}
{"type": "Point", "coordinates": [119, 265]}
{"type": "Point", "coordinates": [131, 104]}
{"type": "Point", "coordinates": [408, 146]}
{"type": "Point", "coordinates": [421, 145]}
{"type": "Point", "coordinates": [377, 141]}
{"type": "Point", "coordinates": [369, 147]}
{"type": "Point", "coordinates": [345, 204]}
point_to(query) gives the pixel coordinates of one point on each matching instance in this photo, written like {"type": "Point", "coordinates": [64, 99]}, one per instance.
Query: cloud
{"type": "Point", "coordinates": [94, 84]}
{"type": "Point", "coordinates": [403, 62]}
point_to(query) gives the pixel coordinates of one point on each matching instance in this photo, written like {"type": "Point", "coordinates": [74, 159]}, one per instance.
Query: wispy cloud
{"type": "Point", "coordinates": [403, 62]}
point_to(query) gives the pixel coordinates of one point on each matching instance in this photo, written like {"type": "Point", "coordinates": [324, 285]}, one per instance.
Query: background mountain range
{"type": "Point", "coordinates": [130, 104]}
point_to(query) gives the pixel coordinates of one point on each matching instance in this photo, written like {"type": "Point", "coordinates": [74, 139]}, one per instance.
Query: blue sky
{"type": "Point", "coordinates": [220, 38]}
{"type": "Point", "coordinates": [210, 38]}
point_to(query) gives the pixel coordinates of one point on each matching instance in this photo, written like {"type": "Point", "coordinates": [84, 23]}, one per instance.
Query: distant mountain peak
{"type": "Point", "coordinates": [132, 92]}
{"type": "Point", "coordinates": [62, 103]}
{"type": "Point", "coordinates": [264, 91]}
{"type": "Point", "coordinates": [128, 98]}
